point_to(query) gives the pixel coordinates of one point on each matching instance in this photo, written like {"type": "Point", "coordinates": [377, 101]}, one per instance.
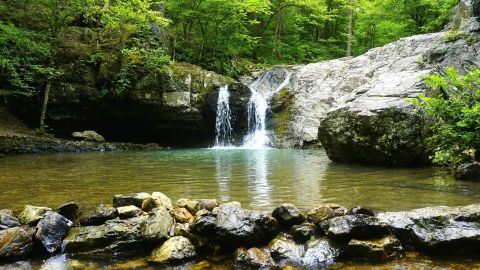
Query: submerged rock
{"type": "Point", "coordinates": [326, 211]}
{"type": "Point", "coordinates": [15, 243]}
{"type": "Point", "coordinates": [288, 215]}
{"type": "Point", "coordinates": [320, 253]}
{"type": "Point", "coordinates": [114, 238]}
{"type": "Point", "coordinates": [375, 250]}
{"type": "Point", "coordinates": [32, 214]}
{"type": "Point", "coordinates": [88, 135]}
{"type": "Point", "coordinates": [236, 226]}
{"type": "Point", "coordinates": [158, 225]}
{"type": "Point", "coordinates": [469, 172]}
{"type": "Point", "coordinates": [452, 229]}
{"type": "Point", "coordinates": [8, 220]}
{"type": "Point", "coordinates": [51, 230]}
{"type": "Point", "coordinates": [253, 258]}
{"type": "Point", "coordinates": [98, 215]}
{"type": "Point", "coordinates": [174, 250]}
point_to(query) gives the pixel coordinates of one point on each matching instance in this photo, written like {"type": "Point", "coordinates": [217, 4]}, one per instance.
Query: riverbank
{"type": "Point", "coordinates": [17, 138]}
{"type": "Point", "coordinates": [166, 233]}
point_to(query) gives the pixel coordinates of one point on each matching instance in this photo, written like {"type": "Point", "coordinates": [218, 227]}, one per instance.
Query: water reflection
{"type": "Point", "coordinates": [259, 179]}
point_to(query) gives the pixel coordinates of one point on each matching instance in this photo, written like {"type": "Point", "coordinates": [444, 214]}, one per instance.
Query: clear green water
{"type": "Point", "coordinates": [259, 179]}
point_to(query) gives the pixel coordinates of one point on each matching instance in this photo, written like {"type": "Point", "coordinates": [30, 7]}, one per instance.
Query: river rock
{"type": "Point", "coordinates": [358, 210]}
{"type": "Point", "coordinates": [193, 206]}
{"type": "Point", "coordinates": [253, 258]}
{"type": "Point", "coordinates": [353, 226]}
{"type": "Point", "coordinates": [204, 223]}
{"type": "Point", "coordinates": [130, 199]}
{"type": "Point", "coordinates": [286, 250]}
{"type": "Point", "coordinates": [8, 220]}
{"type": "Point", "coordinates": [15, 243]}
{"type": "Point", "coordinates": [32, 214]}
{"type": "Point", "coordinates": [288, 215]}
{"type": "Point", "coordinates": [303, 232]}
{"type": "Point", "coordinates": [111, 239]}
{"type": "Point", "coordinates": [69, 210]}
{"type": "Point", "coordinates": [51, 230]}
{"type": "Point", "coordinates": [452, 229]}
{"type": "Point", "coordinates": [98, 215]}
{"type": "Point", "coordinates": [174, 250]}
{"type": "Point", "coordinates": [88, 135]}
{"type": "Point", "coordinates": [202, 243]}
{"type": "Point", "coordinates": [320, 253]}
{"type": "Point", "coordinates": [158, 224]}
{"type": "Point", "coordinates": [20, 265]}
{"type": "Point", "coordinates": [182, 215]}
{"type": "Point", "coordinates": [236, 226]}
{"type": "Point", "coordinates": [128, 211]}
{"type": "Point", "coordinates": [383, 249]}
{"type": "Point", "coordinates": [162, 200]}
{"type": "Point", "coordinates": [326, 211]}
{"type": "Point", "coordinates": [468, 171]}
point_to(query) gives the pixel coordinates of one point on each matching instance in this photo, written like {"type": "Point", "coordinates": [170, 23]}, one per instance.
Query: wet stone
{"type": "Point", "coordinates": [253, 258]}
{"type": "Point", "coordinates": [325, 211]}
{"type": "Point", "coordinates": [69, 210]}
{"type": "Point", "coordinates": [135, 199]}
{"type": "Point", "coordinates": [98, 215]}
{"type": "Point", "coordinates": [383, 249]}
{"type": "Point", "coordinates": [8, 220]}
{"type": "Point", "coordinates": [286, 250]}
{"type": "Point", "coordinates": [32, 214]}
{"type": "Point", "coordinates": [182, 215]}
{"type": "Point", "coordinates": [158, 225]}
{"type": "Point", "coordinates": [15, 243]}
{"type": "Point", "coordinates": [303, 232]}
{"type": "Point", "coordinates": [320, 253]}
{"type": "Point", "coordinates": [130, 211]}
{"type": "Point", "coordinates": [288, 215]}
{"type": "Point", "coordinates": [174, 250]}
{"type": "Point", "coordinates": [51, 230]}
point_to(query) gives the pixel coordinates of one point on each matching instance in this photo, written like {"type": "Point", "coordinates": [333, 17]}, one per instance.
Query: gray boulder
{"type": "Point", "coordinates": [8, 220]}
{"type": "Point", "coordinates": [303, 232]}
{"type": "Point", "coordinates": [468, 172]}
{"type": "Point", "coordinates": [285, 250]}
{"type": "Point", "coordinates": [353, 226]}
{"type": "Point", "coordinates": [51, 230]}
{"type": "Point", "coordinates": [158, 225]}
{"type": "Point", "coordinates": [15, 243]}
{"type": "Point", "coordinates": [288, 215]}
{"type": "Point", "coordinates": [174, 250]}
{"type": "Point", "coordinates": [88, 135]}
{"type": "Point", "coordinates": [238, 227]}
{"type": "Point", "coordinates": [319, 254]}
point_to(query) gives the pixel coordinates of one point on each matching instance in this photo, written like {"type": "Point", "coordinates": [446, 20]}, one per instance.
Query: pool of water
{"type": "Point", "coordinates": [259, 179]}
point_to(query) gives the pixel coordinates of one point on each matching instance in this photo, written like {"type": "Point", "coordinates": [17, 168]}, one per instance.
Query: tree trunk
{"type": "Point", "coordinates": [106, 5]}
{"type": "Point", "coordinates": [278, 25]}
{"type": "Point", "coordinates": [350, 27]}
{"type": "Point", "coordinates": [44, 106]}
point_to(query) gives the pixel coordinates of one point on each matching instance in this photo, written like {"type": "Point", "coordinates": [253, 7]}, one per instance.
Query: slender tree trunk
{"type": "Point", "coordinates": [278, 24]}
{"type": "Point", "coordinates": [44, 106]}
{"type": "Point", "coordinates": [162, 8]}
{"type": "Point", "coordinates": [350, 27]}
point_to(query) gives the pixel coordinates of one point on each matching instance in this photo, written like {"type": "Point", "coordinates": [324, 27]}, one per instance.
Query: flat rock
{"type": "Point", "coordinates": [15, 243]}
{"type": "Point", "coordinates": [98, 215]}
{"type": "Point", "coordinates": [51, 230]}
{"type": "Point", "coordinates": [353, 226]}
{"type": "Point", "coordinates": [174, 250]}
{"type": "Point", "coordinates": [325, 211]}
{"type": "Point", "coordinates": [88, 135]}
{"type": "Point", "coordinates": [130, 199]}
{"type": "Point", "coordinates": [32, 214]}
{"type": "Point", "coordinates": [129, 211]}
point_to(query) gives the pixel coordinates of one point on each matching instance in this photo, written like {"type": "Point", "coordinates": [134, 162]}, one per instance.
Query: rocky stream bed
{"type": "Point", "coordinates": [143, 224]}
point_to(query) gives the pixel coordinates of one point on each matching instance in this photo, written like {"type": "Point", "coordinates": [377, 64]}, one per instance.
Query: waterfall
{"type": "Point", "coordinates": [258, 105]}
{"type": "Point", "coordinates": [223, 126]}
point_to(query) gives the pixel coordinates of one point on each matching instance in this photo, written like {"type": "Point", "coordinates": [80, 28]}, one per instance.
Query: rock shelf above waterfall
{"type": "Point", "coordinates": [317, 238]}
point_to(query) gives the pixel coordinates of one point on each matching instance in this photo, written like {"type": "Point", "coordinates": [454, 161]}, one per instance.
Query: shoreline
{"type": "Point", "coordinates": [150, 225]}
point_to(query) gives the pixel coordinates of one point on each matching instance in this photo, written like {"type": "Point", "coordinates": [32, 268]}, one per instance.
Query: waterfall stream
{"type": "Point", "coordinates": [257, 136]}
{"type": "Point", "coordinates": [223, 126]}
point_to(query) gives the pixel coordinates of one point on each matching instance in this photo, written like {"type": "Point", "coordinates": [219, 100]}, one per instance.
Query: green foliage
{"type": "Point", "coordinates": [454, 108]}
{"type": "Point", "coordinates": [21, 56]}
{"type": "Point", "coordinates": [451, 36]}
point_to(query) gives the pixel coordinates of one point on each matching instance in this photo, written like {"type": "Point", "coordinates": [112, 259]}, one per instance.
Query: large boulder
{"type": "Point", "coordinates": [319, 254]}
{"type": "Point", "coordinates": [158, 225]}
{"type": "Point", "coordinates": [114, 238]}
{"type": "Point", "coordinates": [51, 230]}
{"type": "Point", "coordinates": [239, 227]}
{"type": "Point", "coordinates": [353, 226]}
{"type": "Point", "coordinates": [468, 171]}
{"type": "Point", "coordinates": [174, 250]}
{"type": "Point", "coordinates": [15, 243]}
{"type": "Point", "coordinates": [452, 229]}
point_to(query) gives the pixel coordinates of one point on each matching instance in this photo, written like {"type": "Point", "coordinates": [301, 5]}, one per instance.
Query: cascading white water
{"type": "Point", "coordinates": [223, 126]}
{"type": "Point", "coordinates": [257, 136]}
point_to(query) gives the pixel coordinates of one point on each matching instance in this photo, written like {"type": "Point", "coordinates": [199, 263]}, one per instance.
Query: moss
{"type": "Point", "coordinates": [281, 116]}
{"type": "Point", "coordinates": [471, 40]}
{"type": "Point", "coordinates": [454, 36]}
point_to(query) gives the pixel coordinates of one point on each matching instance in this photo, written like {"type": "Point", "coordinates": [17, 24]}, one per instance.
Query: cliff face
{"type": "Point", "coordinates": [356, 107]}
